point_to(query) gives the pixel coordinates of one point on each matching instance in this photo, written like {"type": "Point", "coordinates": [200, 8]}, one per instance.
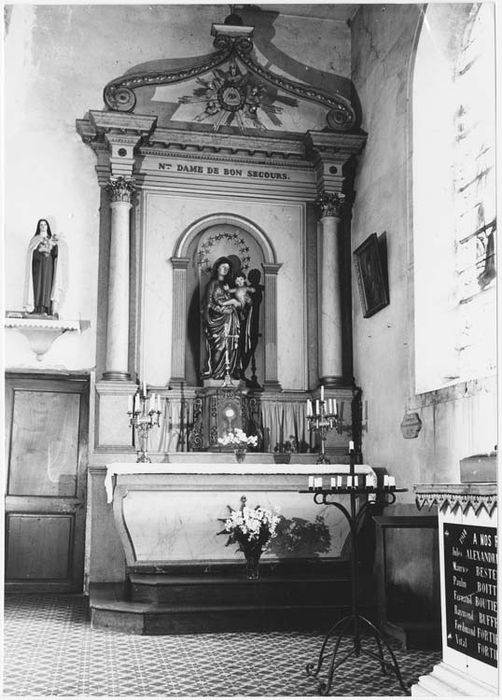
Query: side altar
{"type": "Point", "coordinates": [181, 576]}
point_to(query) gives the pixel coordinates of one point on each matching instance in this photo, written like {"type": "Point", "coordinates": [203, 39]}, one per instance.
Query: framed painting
{"type": "Point", "coordinates": [371, 276]}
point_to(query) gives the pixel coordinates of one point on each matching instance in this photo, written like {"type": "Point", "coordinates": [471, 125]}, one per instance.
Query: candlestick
{"type": "Point", "coordinates": [144, 414]}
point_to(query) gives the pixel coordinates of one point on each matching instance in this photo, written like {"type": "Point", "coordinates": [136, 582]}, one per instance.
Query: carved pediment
{"type": "Point", "coordinates": [230, 88]}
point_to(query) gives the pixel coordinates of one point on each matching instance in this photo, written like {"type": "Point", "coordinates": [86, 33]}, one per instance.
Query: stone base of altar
{"type": "Point", "coordinates": [219, 598]}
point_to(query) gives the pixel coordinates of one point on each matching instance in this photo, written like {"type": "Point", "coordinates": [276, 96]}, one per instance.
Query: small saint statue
{"type": "Point", "coordinates": [43, 273]}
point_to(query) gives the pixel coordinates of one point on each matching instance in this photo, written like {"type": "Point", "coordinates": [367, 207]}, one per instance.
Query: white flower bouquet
{"type": "Point", "coordinates": [250, 528]}
{"type": "Point", "coordinates": [238, 439]}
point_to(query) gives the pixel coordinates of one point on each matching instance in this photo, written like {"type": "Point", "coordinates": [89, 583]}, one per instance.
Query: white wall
{"type": "Point", "coordinates": [456, 423]}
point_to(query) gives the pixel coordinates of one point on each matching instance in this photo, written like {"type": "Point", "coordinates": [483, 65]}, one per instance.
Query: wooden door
{"type": "Point", "coordinates": [46, 445]}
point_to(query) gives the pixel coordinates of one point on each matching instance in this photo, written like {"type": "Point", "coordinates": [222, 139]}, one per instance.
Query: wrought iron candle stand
{"type": "Point", "coordinates": [354, 625]}
{"type": "Point", "coordinates": [144, 414]}
{"type": "Point", "coordinates": [322, 422]}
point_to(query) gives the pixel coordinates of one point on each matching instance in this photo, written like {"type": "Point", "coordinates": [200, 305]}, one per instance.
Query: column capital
{"type": "Point", "coordinates": [180, 263]}
{"type": "Point", "coordinates": [271, 268]}
{"type": "Point", "coordinates": [330, 204]}
{"type": "Point", "coordinates": [120, 189]}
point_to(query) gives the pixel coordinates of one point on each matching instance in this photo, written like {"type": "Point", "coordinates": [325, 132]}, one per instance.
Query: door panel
{"type": "Point", "coordinates": [44, 449]}
{"type": "Point", "coordinates": [39, 547]}
{"type": "Point", "coordinates": [46, 456]}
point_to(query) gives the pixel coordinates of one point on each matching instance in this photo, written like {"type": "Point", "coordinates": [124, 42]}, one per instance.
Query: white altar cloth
{"type": "Point", "coordinates": [307, 470]}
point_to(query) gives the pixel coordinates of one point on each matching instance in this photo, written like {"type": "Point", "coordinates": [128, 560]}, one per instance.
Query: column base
{"type": "Point", "coordinates": [332, 382]}
{"type": "Point", "coordinates": [115, 375]}
{"type": "Point", "coordinates": [270, 385]}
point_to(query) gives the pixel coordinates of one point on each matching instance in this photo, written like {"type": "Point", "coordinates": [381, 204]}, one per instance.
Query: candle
{"type": "Point", "coordinates": [322, 392]}
{"type": "Point", "coordinates": [129, 404]}
{"type": "Point", "coordinates": [318, 482]}
{"type": "Point", "coordinates": [385, 480]}
{"type": "Point", "coordinates": [351, 446]}
{"type": "Point", "coordinates": [153, 402]}
{"type": "Point", "coordinates": [349, 481]}
{"type": "Point", "coordinates": [159, 406]}
{"type": "Point", "coordinates": [311, 482]}
{"type": "Point", "coordinates": [392, 481]}
{"type": "Point", "coordinates": [368, 481]}
{"type": "Point", "coordinates": [333, 482]}
{"type": "Point", "coordinates": [335, 410]}
{"type": "Point", "coordinates": [339, 481]}
{"type": "Point", "coordinates": [309, 407]}
{"type": "Point", "coordinates": [317, 407]}
{"type": "Point", "coordinates": [330, 407]}
{"type": "Point", "coordinates": [144, 389]}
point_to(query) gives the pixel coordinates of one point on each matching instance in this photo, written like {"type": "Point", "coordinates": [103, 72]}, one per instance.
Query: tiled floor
{"type": "Point", "coordinates": [51, 649]}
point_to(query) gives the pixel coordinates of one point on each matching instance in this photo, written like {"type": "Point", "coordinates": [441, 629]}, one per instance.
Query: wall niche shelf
{"type": "Point", "coordinates": [41, 332]}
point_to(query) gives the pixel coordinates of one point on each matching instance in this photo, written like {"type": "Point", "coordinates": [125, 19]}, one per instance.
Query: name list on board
{"type": "Point", "coordinates": [470, 559]}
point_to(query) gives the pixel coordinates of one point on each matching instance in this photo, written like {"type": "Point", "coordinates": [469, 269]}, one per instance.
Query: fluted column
{"type": "Point", "coordinates": [271, 382]}
{"type": "Point", "coordinates": [117, 328]}
{"type": "Point", "coordinates": [330, 330]}
{"type": "Point", "coordinates": [179, 320]}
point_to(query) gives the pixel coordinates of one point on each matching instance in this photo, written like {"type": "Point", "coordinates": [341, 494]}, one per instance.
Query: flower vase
{"type": "Point", "coordinates": [240, 454]}
{"type": "Point", "coordinates": [253, 564]}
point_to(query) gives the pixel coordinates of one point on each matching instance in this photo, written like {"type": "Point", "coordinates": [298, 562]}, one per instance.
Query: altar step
{"type": "Point", "coordinates": [224, 601]}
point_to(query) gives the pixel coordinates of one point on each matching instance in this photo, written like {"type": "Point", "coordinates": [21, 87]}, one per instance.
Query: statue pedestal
{"type": "Point", "coordinates": [218, 410]}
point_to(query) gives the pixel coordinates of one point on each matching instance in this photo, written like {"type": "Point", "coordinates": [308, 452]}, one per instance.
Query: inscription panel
{"type": "Point", "coordinates": [470, 555]}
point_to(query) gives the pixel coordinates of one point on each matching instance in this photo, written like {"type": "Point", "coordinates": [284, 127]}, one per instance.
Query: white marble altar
{"type": "Point", "coordinates": [172, 512]}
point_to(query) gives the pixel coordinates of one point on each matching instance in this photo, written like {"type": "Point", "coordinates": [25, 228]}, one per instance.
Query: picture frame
{"type": "Point", "coordinates": [371, 273]}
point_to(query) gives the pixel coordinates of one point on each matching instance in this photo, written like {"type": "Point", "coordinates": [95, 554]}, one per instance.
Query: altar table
{"type": "Point", "coordinates": [173, 512]}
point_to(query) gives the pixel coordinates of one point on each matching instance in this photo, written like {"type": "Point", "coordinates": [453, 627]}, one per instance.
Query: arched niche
{"type": "Point", "coordinates": [195, 252]}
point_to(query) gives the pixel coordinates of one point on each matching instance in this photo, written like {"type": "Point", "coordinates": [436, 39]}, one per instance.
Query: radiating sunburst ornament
{"type": "Point", "coordinates": [234, 96]}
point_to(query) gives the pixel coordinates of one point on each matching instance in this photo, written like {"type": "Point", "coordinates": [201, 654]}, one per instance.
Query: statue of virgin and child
{"type": "Point", "coordinates": [229, 313]}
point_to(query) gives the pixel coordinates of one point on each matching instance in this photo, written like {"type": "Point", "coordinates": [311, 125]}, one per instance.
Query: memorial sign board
{"type": "Point", "coordinates": [470, 559]}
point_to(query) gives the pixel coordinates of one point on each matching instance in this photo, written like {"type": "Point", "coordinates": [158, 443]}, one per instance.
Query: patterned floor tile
{"type": "Point", "coordinates": [50, 649]}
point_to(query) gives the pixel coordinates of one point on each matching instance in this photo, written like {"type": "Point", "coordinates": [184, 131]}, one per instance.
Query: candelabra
{"type": "Point", "coordinates": [322, 416]}
{"type": "Point", "coordinates": [357, 631]}
{"type": "Point", "coordinates": [144, 414]}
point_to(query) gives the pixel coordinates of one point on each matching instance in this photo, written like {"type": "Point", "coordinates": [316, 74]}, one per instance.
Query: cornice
{"type": "Point", "coordinates": [230, 144]}
{"type": "Point", "coordinates": [209, 156]}
{"type": "Point", "coordinates": [320, 145]}
{"type": "Point", "coordinates": [297, 152]}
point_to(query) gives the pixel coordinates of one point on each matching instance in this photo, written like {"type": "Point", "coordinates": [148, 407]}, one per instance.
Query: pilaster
{"type": "Point", "coordinates": [179, 321]}
{"type": "Point", "coordinates": [271, 382]}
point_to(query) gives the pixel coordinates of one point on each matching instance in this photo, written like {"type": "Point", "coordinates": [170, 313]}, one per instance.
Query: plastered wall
{"type": "Point", "coordinates": [456, 423]}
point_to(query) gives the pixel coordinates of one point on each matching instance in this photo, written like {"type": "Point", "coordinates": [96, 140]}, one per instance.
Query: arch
{"type": "Point", "coordinates": [180, 261]}
{"type": "Point", "coordinates": [192, 231]}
